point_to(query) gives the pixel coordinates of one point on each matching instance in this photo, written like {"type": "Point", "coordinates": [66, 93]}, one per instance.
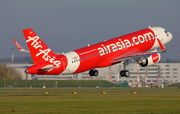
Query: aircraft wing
{"type": "Point", "coordinates": [133, 54]}
{"type": "Point", "coordinates": [136, 53]}
{"type": "Point", "coordinates": [27, 51]}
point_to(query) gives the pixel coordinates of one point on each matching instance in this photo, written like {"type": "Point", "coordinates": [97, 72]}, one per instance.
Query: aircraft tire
{"type": "Point", "coordinates": [95, 73]}
{"type": "Point", "coordinates": [126, 73]}
{"type": "Point", "coordinates": [122, 73]}
{"type": "Point", "coordinates": [91, 73]}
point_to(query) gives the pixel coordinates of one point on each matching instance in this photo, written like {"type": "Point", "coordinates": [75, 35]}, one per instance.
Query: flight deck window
{"type": "Point", "coordinates": [165, 31]}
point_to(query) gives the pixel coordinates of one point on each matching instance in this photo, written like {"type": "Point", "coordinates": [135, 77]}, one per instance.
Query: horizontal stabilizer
{"type": "Point", "coordinates": [48, 68]}
{"type": "Point", "coordinates": [20, 47]}
{"type": "Point", "coordinates": [19, 67]}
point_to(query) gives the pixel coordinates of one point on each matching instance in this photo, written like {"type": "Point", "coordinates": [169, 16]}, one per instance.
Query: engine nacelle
{"type": "Point", "coordinates": [154, 58]}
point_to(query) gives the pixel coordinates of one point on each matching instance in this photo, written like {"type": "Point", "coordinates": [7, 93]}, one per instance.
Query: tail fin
{"type": "Point", "coordinates": [38, 49]}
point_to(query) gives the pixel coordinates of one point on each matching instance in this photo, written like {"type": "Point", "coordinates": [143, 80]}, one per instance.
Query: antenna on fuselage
{"type": "Point", "coordinates": [149, 26]}
{"type": "Point", "coordinates": [88, 45]}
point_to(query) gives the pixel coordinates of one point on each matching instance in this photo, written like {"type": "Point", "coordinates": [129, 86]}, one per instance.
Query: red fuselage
{"type": "Point", "coordinates": [102, 54]}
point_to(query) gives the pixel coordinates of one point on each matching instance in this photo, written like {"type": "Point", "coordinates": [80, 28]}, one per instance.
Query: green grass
{"type": "Point", "coordinates": [60, 83]}
{"type": "Point", "coordinates": [90, 101]}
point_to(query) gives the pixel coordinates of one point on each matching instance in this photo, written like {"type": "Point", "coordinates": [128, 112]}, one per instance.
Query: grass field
{"type": "Point", "coordinates": [90, 101]}
{"type": "Point", "coordinates": [60, 83]}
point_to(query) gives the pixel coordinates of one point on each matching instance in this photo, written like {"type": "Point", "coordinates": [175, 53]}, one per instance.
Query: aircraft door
{"type": "Point", "coordinates": [64, 62]}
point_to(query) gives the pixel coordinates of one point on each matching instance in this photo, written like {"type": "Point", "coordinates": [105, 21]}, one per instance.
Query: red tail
{"type": "Point", "coordinates": [38, 49]}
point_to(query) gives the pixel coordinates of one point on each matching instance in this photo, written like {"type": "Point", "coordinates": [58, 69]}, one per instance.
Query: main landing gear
{"type": "Point", "coordinates": [125, 73]}
{"type": "Point", "coordinates": [93, 73]}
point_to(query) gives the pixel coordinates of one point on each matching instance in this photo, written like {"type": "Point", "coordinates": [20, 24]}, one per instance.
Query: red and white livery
{"type": "Point", "coordinates": [140, 46]}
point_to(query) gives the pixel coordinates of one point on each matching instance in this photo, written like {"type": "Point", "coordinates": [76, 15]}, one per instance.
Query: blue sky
{"type": "Point", "coordinates": [66, 25]}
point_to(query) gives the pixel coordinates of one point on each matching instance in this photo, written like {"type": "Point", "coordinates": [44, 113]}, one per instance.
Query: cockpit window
{"type": "Point", "coordinates": [165, 31]}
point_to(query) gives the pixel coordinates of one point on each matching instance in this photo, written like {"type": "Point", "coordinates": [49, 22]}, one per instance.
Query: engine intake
{"type": "Point", "coordinates": [154, 58]}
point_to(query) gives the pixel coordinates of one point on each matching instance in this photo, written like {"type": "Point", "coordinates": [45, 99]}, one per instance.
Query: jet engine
{"type": "Point", "coordinates": [154, 58]}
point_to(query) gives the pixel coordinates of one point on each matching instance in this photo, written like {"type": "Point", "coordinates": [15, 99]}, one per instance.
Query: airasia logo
{"type": "Point", "coordinates": [44, 52]}
{"type": "Point", "coordinates": [155, 58]}
{"type": "Point", "coordinates": [126, 43]}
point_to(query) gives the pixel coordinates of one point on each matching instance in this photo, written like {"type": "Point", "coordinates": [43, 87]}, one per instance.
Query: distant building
{"type": "Point", "coordinates": [161, 72]}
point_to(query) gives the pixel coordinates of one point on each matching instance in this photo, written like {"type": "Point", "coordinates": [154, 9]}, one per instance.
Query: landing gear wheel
{"type": "Point", "coordinates": [96, 73]}
{"type": "Point", "coordinates": [122, 73]}
{"type": "Point", "coordinates": [93, 73]}
{"type": "Point", "coordinates": [125, 73]}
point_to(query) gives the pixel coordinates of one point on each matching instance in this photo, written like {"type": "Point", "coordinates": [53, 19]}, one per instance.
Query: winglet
{"type": "Point", "coordinates": [163, 49]}
{"type": "Point", "coordinates": [20, 47]}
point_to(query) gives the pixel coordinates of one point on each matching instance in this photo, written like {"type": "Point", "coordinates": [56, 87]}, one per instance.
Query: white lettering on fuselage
{"type": "Point", "coordinates": [45, 53]}
{"type": "Point", "coordinates": [123, 44]}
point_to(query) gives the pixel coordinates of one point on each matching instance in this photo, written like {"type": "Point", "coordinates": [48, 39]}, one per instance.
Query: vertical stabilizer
{"type": "Point", "coordinates": [38, 49]}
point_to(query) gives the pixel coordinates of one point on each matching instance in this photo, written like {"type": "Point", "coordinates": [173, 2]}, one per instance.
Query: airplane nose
{"type": "Point", "coordinates": [170, 35]}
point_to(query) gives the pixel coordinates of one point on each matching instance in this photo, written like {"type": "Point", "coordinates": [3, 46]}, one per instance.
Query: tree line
{"type": "Point", "coordinates": [26, 59]}
{"type": "Point", "coordinates": [9, 73]}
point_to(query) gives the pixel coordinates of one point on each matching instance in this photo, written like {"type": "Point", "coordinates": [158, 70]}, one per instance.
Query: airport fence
{"type": "Point", "coordinates": [60, 84]}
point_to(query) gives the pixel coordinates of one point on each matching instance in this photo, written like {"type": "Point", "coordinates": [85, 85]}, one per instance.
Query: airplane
{"type": "Point", "coordinates": [140, 46]}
